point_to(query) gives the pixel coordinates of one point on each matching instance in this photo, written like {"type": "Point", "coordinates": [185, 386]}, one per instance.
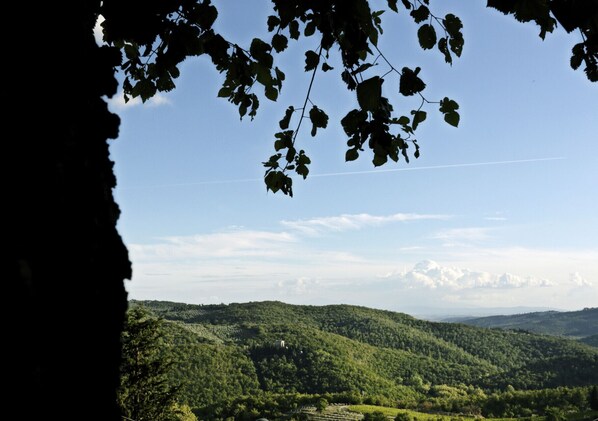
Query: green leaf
{"type": "Point", "coordinates": [131, 51]}
{"type": "Point", "coordinates": [369, 93]}
{"type": "Point", "coordinates": [351, 155]}
{"type": "Point", "coordinates": [354, 121]}
{"type": "Point", "coordinates": [392, 5]}
{"type": "Point", "coordinates": [290, 155]}
{"type": "Point", "coordinates": [145, 89]}
{"type": "Point", "coordinates": [452, 118]}
{"type": "Point", "coordinates": [403, 120]}
{"type": "Point", "coordinates": [294, 29]}
{"type": "Point", "coordinates": [272, 162]}
{"type": "Point", "coordinates": [217, 48]}
{"type": "Point", "coordinates": [310, 28]}
{"type": "Point", "coordinates": [174, 72]}
{"type": "Point", "coordinates": [379, 160]}
{"type": "Point", "coordinates": [206, 15]}
{"type": "Point", "coordinates": [318, 119]}
{"type": "Point", "coordinates": [418, 117]}
{"type": "Point", "coordinates": [279, 74]}
{"type": "Point", "coordinates": [302, 161]}
{"type": "Point", "coordinates": [420, 14]}
{"type": "Point", "coordinates": [271, 92]}
{"type": "Point", "coordinates": [410, 83]}
{"type": "Point", "coordinates": [311, 60]}
{"type": "Point", "coordinates": [426, 36]}
{"type": "Point", "coordinates": [407, 4]}
{"type": "Point", "coordinates": [279, 42]}
{"type": "Point", "coordinates": [449, 108]}
{"type": "Point", "coordinates": [373, 36]}
{"type": "Point", "coordinates": [165, 84]}
{"type": "Point", "coordinates": [262, 73]}
{"type": "Point", "coordinates": [225, 92]}
{"type": "Point", "coordinates": [456, 46]}
{"type": "Point", "coordinates": [302, 170]}
{"type": "Point", "coordinates": [260, 51]}
{"type": "Point", "coordinates": [443, 47]}
{"type": "Point", "coordinates": [274, 180]}
{"type": "Point", "coordinates": [283, 140]}
{"type": "Point", "coordinates": [273, 22]}
{"type": "Point", "coordinates": [453, 25]}
{"type": "Point", "coordinates": [349, 80]}
{"type": "Point", "coordinates": [326, 67]}
{"type": "Point", "coordinates": [361, 68]}
{"type": "Point", "coordinates": [284, 123]}
{"type": "Point", "coordinates": [448, 105]}
{"type": "Point", "coordinates": [577, 55]}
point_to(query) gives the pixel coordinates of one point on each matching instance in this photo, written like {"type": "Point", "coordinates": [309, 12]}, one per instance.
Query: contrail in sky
{"type": "Point", "coordinates": [437, 167]}
{"type": "Point", "coordinates": [336, 174]}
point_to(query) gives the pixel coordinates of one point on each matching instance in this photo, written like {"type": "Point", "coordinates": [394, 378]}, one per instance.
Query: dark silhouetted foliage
{"type": "Point", "coordinates": [145, 392]}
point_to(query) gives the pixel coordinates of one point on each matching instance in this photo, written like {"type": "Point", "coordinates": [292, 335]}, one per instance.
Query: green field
{"type": "Point", "coordinates": [392, 413]}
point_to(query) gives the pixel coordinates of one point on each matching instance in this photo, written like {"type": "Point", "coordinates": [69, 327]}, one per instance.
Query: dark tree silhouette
{"type": "Point", "coordinates": [594, 398]}
{"type": "Point", "coordinates": [145, 391]}
{"type": "Point", "coordinates": [67, 262]}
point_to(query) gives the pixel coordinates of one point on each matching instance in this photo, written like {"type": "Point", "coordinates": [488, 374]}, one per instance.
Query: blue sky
{"type": "Point", "coordinates": [499, 212]}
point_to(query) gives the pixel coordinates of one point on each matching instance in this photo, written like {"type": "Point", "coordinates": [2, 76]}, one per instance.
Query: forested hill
{"type": "Point", "coordinates": [571, 324]}
{"type": "Point", "coordinates": [232, 350]}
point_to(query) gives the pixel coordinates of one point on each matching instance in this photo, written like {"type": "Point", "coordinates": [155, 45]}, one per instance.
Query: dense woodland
{"type": "Point", "coordinates": [229, 361]}
{"type": "Point", "coordinates": [573, 324]}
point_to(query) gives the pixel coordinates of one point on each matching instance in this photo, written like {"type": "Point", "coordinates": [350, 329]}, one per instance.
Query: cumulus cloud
{"type": "Point", "coordinates": [347, 222]}
{"type": "Point", "coordinates": [576, 279]}
{"type": "Point", "coordinates": [429, 274]}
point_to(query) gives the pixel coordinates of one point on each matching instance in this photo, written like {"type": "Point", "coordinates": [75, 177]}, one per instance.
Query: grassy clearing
{"type": "Point", "coordinates": [421, 416]}
{"type": "Point", "coordinates": [392, 412]}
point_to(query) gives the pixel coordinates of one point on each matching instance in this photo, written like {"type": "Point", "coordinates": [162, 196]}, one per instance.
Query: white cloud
{"type": "Point", "coordinates": [239, 264]}
{"type": "Point", "coordinates": [219, 245]}
{"type": "Point", "coordinates": [458, 235]}
{"type": "Point", "coordinates": [542, 262]}
{"type": "Point", "coordinates": [576, 279]}
{"type": "Point", "coordinates": [299, 286]}
{"type": "Point", "coordinates": [429, 274]}
{"type": "Point", "coordinates": [347, 222]}
{"type": "Point", "coordinates": [117, 102]}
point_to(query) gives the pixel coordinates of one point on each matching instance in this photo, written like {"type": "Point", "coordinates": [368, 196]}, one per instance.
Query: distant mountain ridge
{"type": "Point", "coordinates": [569, 324]}
{"type": "Point", "coordinates": [236, 349]}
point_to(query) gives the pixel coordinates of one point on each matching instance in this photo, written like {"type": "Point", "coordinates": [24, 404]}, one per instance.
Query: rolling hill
{"type": "Point", "coordinates": [226, 351]}
{"type": "Point", "coordinates": [570, 324]}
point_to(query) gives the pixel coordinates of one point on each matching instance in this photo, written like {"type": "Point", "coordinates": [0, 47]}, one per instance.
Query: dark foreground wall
{"type": "Point", "coordinates": [66, 262]}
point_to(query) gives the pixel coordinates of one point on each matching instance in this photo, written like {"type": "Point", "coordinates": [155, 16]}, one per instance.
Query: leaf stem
{"type": "Point", "coordinates": [311, 83]}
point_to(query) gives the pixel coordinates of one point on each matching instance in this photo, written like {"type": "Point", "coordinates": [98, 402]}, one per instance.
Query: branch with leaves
{"type": "Point", "coordinates": [183, 28]}
{"type": "Point", "coordinates": [371, 123]}
{"type": "Point", "coordinates": [165, 33]}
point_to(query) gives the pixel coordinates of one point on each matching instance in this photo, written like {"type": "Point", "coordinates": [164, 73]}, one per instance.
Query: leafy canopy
{"type": "Point", "coordinates": [157, 35]}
